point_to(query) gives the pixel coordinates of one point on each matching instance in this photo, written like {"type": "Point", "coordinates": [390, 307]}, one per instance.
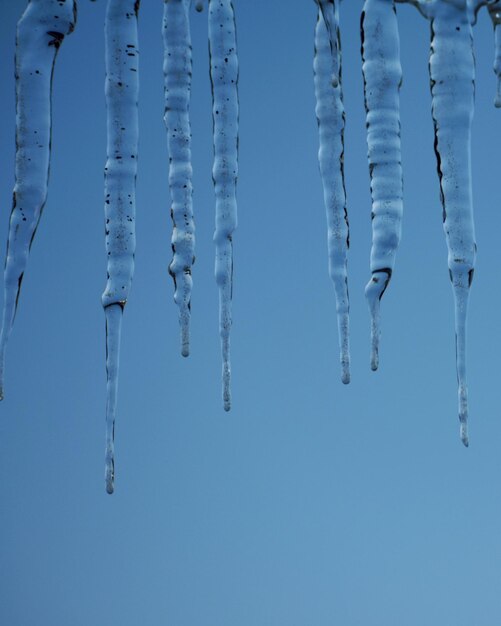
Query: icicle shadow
{"type": "Point", "coordinates": [331, 121]}
{"type": "Point", "coordinates": [40, 33]}
{"type": "Point", "coordinates": [177, 82]}
{"type": "Point", "coordinates": [382, 80]}
{"type": "Point", "coordinates": [121, 89]}
{"type": "Point", "coordinates": [224, 81]}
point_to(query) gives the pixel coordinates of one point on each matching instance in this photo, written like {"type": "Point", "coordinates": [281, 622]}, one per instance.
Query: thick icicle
{"type": "Point", "coordinates": [331, 119]}
{"type": "Point", "coordinates": [121, 88]}
{"type": "Point", "coordinates": [382, 79]}
{"type": "Point", "coordinates": [177, 81]}
{"type": "Point", "coordinates": [224, 80]}
{"type": "Point", "coordinates": [452, 79]}
{"type": "Point", "coordinates": [40, 32]}
{"type": "Point", "coordinates": [495, 13]}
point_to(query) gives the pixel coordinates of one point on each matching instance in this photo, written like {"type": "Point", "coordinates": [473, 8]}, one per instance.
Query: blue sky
{"type": "Point", "coordinates": [310, 502]}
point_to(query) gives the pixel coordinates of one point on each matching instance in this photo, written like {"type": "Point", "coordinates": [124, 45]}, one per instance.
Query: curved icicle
{"type": "Point", "coordinates": [224, 80]}
{"type": "Point", "coordinates": [121, 88]}
{"type": "Point", "coordinates": [331, 120]}
{"type": "Point", "coordinates": [40, 32]}
{"type": "Point", "coordinates": [452, 79]}
{"type": "Point", "coordinates": [495, 14]}
{"type": "Point", "coordinates": [177, 81]}
{"type": "Point", "coordinates": [382, 79]}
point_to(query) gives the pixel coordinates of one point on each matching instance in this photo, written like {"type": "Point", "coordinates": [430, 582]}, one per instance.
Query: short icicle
{"type": "Point", "coordinates": [452, 79]}
{"type": "Point", "coordinates": [177, 81]}
{"type": "Point", "coordinates": [382, 79]}
{"type": "Point", "coordinates": [121, 88]}
{"type": "Point", "coordinates": [495, 13]}
{"type": "Point", "coordinates": [331, 121]}
{"type": "Point", "coordinates": [40, 33]}
{"type": "Point", "coordinates": [224, 80]}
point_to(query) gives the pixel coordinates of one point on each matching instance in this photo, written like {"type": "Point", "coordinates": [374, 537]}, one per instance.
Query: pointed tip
{"type": "Point", "coordinates": [374, 359]}
{"type": "Point", "coordinates": [185, 350]}
{"type": "Point", "coordinates": [227, 406]}
{"type": "Point", "coordinates": [497, 101]}
{"type": "Point", "coordinates": [345, 378]}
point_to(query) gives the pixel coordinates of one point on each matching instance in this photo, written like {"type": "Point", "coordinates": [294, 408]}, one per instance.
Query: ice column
{"type": "Point", "coordinates": [177, 81]}
{"type": "Point", "coordinates": [121, 88]}
{"type": "Point", "coordinates": [331, 120]}
{"type": "Point", "coordinates": [452, 80]}
{"type": "Point", "coordinates": [224, 80]}
{"type": "Point", "coordinates": [40, 32]}
{"type": "Point", "coordinates": [382, 79]}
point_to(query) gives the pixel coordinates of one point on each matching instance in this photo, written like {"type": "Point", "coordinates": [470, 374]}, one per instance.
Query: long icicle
{"type": "Point", "coordinates": [382, 79]}
{"type": "Point", "coordinates": [121, 88]}
{"type": "Point", "coordinates": [177, 81]}
{"type": "Point", "coordinates": [224, 80]}
{"type": "Point", "coordinates": [452, 80]}
{"type": "Point", "coordinates": [331, 121]}
{"type": "Point", "coordinates": [40, 32]}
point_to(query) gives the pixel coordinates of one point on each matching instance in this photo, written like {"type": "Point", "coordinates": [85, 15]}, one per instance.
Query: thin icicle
{"type": "Point", "coordinates": [452, 78]}
{"type": "Point", "coordinates": [121, 88]}
{"type": "Point", "coordinates": [40, 32]}
{"type": "Point", "coordinates": [224, 80]}
{"type": "Point", "coordinates": [495, 13]}
{"type": "Point", "coordinates": [382, 79]}
{"type": "Point", "coordinates": [331, 120]}
{"type": "Point", "coordinates": [177, 81]}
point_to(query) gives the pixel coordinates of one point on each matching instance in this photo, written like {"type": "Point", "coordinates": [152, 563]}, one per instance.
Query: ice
{"type": "Point", "coordinates": [382, 79]}
{"type": "Point", "coordinates": [121, 89]}
{"type": "Point", "coordinates": [331, 120]}
{"type": "Point", "coordinates": [40, 33]}
{"type": "Point", "coordinates": [224, 80]}
{"type": "Point", "coordinates": [177, 81]}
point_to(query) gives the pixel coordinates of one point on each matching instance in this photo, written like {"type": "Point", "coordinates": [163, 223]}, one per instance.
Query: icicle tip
{"type": "Point", "coordinates": [109, 475]}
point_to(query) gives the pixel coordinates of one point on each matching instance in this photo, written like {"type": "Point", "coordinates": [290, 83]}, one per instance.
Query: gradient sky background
{"type": "Point", "coordinates": [311, 503]}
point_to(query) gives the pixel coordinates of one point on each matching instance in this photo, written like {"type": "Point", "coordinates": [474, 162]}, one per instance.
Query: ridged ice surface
{"type": "Point", "coordinates": [331, 121]}
{"type": "Point", "coordinates": [40, 32]}
{"type": "Point", "coordinates": [382, 78]}
{"type": "Point", "coordinates": [224, 79]}
{"type": "Point", "coordinates": [177, 83]}
{"type": "Point", "coordinates": [452, 77]}
{"type": "Point", "coordinates": [121, 89]}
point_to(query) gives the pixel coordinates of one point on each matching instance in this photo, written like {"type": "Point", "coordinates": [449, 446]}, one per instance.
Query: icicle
{"type": "Point", "coordinates": [382, 79]}
{"type": "Point", "coordinates": [495, 13]}
{"type": "Point", "coordinates": [452, 78]}
{"type": "Point", "coordinates": [40, 32]}
{"type": "Point", "coordinates": [224, 80]}
{"type": "Point", "coordinates": [331, 120]}
{"type": "Point", "coordinates": [177, 75]}
{"type": "Point", "coordinates": [121, 89]}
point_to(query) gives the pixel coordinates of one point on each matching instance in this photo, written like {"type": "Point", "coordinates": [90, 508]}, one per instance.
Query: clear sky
{"type": "Point", "coordinates": [311, 503]}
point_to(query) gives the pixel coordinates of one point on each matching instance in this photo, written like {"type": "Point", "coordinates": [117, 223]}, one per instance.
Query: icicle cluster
{"type": "Point", "coordinates": [331, 121]}
{"type": "Point", "coordinates": [40, 32]}
{"type": "Point", "coordinates": [452, 80]}
{"type": "Point", "coordinates": [121, 89]}
{"type": "Point", "coordinates": [177, 78]}
{"type": "Point", "coordinates": [224, 80]}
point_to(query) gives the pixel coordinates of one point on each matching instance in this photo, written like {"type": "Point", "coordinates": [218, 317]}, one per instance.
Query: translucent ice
{"type": "Point", "coordinates": [382, 79]}
{"type": "Point", "coordinates": [121, 89]}
{"type": "Point", "coordinates": [40, 33]}
{"type": "Point", "coordinates": [177, 81]}
{"type": "Point", "coordinates": [224, 80]}
{"type": "Point", "coordinates": [331, 120]}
